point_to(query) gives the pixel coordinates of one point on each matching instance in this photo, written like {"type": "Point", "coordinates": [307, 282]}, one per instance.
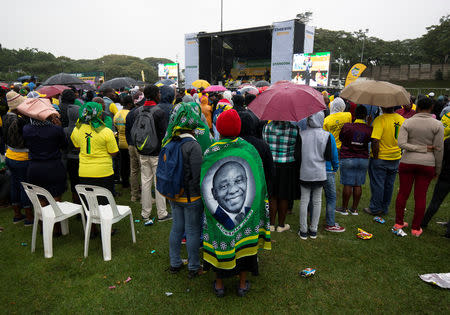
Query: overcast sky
{"type": "Point", "coordinates": [93, 28]}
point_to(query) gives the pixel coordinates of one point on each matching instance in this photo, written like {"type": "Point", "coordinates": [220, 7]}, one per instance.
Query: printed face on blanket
{"type": "Point", "coordinates": [229, 180]}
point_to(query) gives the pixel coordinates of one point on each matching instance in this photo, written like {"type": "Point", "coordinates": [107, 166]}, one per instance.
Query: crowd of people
{"type": "Point", "coordinates": [224, 177]}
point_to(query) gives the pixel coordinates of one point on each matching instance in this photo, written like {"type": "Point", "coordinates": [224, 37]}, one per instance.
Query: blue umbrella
{"type": "Point", "coordinates": [25, 77]}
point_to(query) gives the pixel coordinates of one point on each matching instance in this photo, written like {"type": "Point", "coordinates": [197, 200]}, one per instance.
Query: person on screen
{"type": "Point", "coordinates": [229, 190]}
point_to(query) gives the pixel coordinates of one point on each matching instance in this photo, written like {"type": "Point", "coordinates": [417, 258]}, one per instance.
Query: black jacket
{"type": "Point", "coordinates": [445, 172]}
{"type": "Point", "coordinates": [248, 133]}
{"type": "Point", "coordinates": [192, 163]}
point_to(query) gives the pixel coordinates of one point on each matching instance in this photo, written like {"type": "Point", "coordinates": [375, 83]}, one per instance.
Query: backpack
{"type": "Point", "coordinates": [143, 132]}
{"type": "Point", "coordinates": [169, 173]}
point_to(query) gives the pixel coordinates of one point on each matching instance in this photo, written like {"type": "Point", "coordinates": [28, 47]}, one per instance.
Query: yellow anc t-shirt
{"type": "Point", "coordinates": [445, 120]}
{"type": "Point", "coordinates": [119, 122]}
{"type": "Point", "coordinates": [333, 123]}
{"type": "Point", "coordinates": [95, 148]}
{"type": "Point", "coordinates": [386, 128]}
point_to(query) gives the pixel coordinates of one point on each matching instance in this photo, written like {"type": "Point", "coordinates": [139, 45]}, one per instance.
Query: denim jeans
{"type": "Point", "coordinates": [330, 198]}
{"type": "Point", "coordinates": [186, 217]}
{"type": "Point", "coordinates": [310, 196]}
{"type": "Point", "coordinates": [18, 171]}
{"type": "Point", "coordinates": [382, 175]}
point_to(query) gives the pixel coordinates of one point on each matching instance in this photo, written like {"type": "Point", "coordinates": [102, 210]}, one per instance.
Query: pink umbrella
{"type": "Point", "coordinates": [52, 90]}
{"type": "Point", "coordinates": [287, 101]}
{"type": "Point", "coordinates": [215, 88]}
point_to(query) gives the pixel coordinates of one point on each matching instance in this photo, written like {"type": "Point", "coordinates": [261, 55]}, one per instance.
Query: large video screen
{"type": "Point", "coordinates": [311, 69]}
{"type": "Point", "coordinates": [168, 70]}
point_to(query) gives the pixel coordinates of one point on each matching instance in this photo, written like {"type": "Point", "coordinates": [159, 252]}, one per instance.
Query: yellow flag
{"type": "Point", "coordinates": [142, 75]}
{"type": "Point", "coordinates": [354, 73]}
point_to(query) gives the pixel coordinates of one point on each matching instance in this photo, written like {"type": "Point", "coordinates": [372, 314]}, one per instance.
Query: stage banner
{"type": "Point", "coordinates": [308, 45]}
{"type": "Point", "coordinates": [282, 50]}
{"type": "Point", "coordinates": [191, 59]}
{"type": "Point", "coordinates": [354, 73]}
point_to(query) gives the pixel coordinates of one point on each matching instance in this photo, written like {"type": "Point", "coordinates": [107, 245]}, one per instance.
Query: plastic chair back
{"type": "Point", "coordinates": [34, 192]}
{"type": "Point", "coordinates": [91, 194]}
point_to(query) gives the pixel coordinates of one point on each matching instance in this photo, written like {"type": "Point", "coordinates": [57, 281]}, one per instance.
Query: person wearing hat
{"type": "Point", "coordinates": [17, 159]}
{"type": "Point", "coordinates": [236, 211]}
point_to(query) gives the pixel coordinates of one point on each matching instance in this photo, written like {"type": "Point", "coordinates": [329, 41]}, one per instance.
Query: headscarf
{"type": "Point", "coordinates": [90, 113]}
{"type": "Point", "coordinates": [187, 99]}
{"type": "Point", "coordinates": [338, 105]}
{"type": "Point", "coordinates": [184, 117]}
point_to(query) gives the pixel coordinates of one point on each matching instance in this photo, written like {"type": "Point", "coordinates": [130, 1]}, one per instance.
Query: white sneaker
{"type": "Point", "coordinates": [286, 227]}
{"type": "Point", "coordinates": [272, 228]}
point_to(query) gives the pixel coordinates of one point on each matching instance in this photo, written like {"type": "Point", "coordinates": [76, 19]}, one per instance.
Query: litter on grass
{"type": "Point", "coordinates": [364, 235]}
{"type": "Point", "coordinates": [128, 280]}
{"type": "Point", "coordinates": [398, 232]}
{"type": "Point", "coordinates": [112, 287]}
{"type": "Point", "coordinates": [23, 244]}
{"type": "Point", "coordinates": [137, 221]}
{"type": "Point", "coordinates": [440, 279]}
{"type": "Point", "coordinates": [379, 220]}
{"type": "Point", "coordinates": [185, 261]}
{"type": "Point", "coordinates": [169, 293]}
{"type": "Point", "coordinates": [308, 272]}
{"type": "Point", "coordinates": [152, 251]}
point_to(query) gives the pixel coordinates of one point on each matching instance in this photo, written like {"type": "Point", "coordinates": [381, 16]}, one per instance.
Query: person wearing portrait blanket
{"type": "Point", "coordinates": [234, 192]}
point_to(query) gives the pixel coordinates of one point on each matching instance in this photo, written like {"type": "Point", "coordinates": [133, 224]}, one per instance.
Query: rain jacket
{"type": "Point", "coordinates": [167, 98]}
{"type": "Point", "coordinates": [315, 150]}
{"type": "Point", "coordinates": [206, 110]}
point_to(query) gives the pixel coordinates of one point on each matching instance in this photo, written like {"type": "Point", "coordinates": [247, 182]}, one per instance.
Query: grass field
{"type": "Point", "coordinates": [353, 276]}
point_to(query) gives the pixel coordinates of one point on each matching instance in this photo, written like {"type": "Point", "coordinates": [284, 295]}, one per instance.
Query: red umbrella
{"type": "Point", "coordinates": [215, 88]}
{"type": "Point", "coordinates": [287, 101]}
{"type": "Point", "coordinates": [52, 90]}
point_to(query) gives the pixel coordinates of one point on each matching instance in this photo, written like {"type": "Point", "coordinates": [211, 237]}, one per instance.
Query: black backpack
{"type": "Point", "coordinates": [143, 131]}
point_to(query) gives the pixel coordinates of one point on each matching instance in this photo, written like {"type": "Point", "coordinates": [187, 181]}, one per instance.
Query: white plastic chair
{"type": "Point", "coordinates": [49, 215]}
{"type": "Point", "coordinates": [105, 215]}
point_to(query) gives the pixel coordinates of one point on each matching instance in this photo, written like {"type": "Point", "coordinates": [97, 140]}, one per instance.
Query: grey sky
{"type": "Point", "coordinates": [93, 28]}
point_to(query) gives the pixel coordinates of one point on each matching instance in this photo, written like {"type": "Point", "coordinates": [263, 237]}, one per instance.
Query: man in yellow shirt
{"type": "Point", "coordinates": [97, 146]}
{"type": "Point", "coordinates": [384, 161]}
{"type": "Point", "coordinates": [333, 123]}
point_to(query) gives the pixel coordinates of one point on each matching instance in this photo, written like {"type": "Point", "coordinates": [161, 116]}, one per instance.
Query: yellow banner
{"type": "Point", "coordinates": [354, 73]}
{"type": "Point", "coordinates": [143, 75]}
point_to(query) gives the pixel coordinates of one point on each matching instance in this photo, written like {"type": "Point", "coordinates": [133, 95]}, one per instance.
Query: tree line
{"type": "Point", "coordinates": [346, 47]}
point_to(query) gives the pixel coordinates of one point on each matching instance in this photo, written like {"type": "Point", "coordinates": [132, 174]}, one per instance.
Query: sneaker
{"type": "Point", "coordinates": [166, 218]}
{"type": "Point", "coordinates": [20, 219]}
{"type": "Point", "coordinates": [174, 270]}
{"type": "Point", "coordinates": [353, 211]}
{"type": "Point", "coordinates": [398, 232]}
{"type": "Point", "coordinates": [243, 291]}
{"type": "Point", "coordinates": [148, 222]}
{"type": "Point", "coordinates": [272, 228]}
{"type": "Point", "coordinates": [183, 241]}
{"type": "Point", "coordinates": [342, 211]}
{"type": "Point", "coordinates": [334, 228]}
{"type": "Point", "coordinates": [195, 273]}
{"type": "Point", "coordinates": [417, 233]}
{"type": "Point", "coordinates": [302, 235]}
{"type": "Point", "coordinates": [219, 292]}
{"type": "Point", "coordinates": [312, 234]}
{"type": "Point", "coordinates": [28, 223]}
{"type": "Point", "coordinates": [286, 227]}
{"type": "Point", "coordinates": [368, 211]}
{"type": "Point", "coordinates": [401, 226]}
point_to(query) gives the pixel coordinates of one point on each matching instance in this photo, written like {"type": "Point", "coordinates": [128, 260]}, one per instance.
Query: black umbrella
{"type": "Point", "coordinates": [63, 79]}
{"type": "Point", "coordinates": [118, 83]}
{"type": "Point", "coordinates": [165, 82]}
{"type": "Point", "coordinates": [262, 83]}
